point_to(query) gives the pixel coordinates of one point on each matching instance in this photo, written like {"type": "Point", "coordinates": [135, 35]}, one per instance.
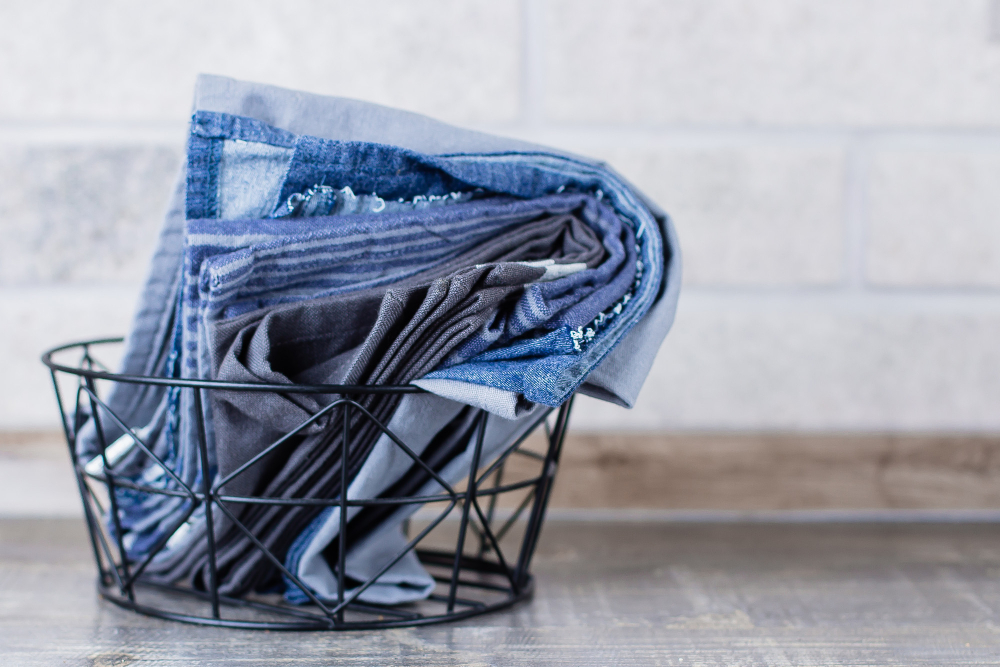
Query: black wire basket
{"type": "Point", "coordinates": [476, 538]}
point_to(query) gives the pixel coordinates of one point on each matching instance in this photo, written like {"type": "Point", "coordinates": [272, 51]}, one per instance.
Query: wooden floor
{"type": "Point", "coordinates": [607, 594]}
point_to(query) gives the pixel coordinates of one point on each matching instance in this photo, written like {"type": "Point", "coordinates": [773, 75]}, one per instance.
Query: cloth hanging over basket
{"type": "Point", "coordinates": [317, 240]}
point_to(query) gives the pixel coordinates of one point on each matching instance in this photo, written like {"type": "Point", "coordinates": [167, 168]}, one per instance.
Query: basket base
{"type": "Point", "coordinates": [187, 605]}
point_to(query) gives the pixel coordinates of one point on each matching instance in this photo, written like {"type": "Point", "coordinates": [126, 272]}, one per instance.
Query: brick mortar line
{"type": "Point", "coordinates": [98, 134]}
{"type": "Point", "coordinates": [855, 221]}
{"type": "Point", "coordinates": [534, 128]}
{"type": "Point", "coordinates": [882, 137]}
{"type": "Point", "coordinates": [76, 290]}
{"type": "Point", "coordinates": [887, 132]}
{"type": "Point", "coordinates": [844, 300]}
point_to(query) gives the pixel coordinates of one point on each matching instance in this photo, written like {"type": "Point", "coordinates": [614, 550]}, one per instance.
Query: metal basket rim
{"type": "Point", "coordinates": [212, 384]}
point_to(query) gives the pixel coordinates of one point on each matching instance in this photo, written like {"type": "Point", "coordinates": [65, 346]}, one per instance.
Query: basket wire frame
{"type": "Point", "coordinates": [468, 584]}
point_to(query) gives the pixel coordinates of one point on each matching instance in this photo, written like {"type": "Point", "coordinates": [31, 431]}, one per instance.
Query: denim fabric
{"type": "Point", "coordinates": [401, 335]}
{"type": "Point", "coordinates": [616, 379]}
{"type": "Point", "coordinates": [343, 252]}
{"type": "Point", "coordinates": [415, 422]}
{"type": "Point", "coordinates": [256, 149]}
{"type": "Point", "coordinates": [337, 257]}
{"type": "Point", "coordinates": [338, 266]}
{"type": "Point", "coordinates": [149, 341]}
{"type": "Point", "coordinates": [545, 237]}
{"type": "Point", "coordinates": [239, 266]}
{"type": "Point", "coordinates": [393, 171]}
{"type": "Point", "coordinates": [313, 566]}
{"type": "Point", "coordinates": [324, 256]}
{"type": "Point", "coordinates": [261, 277]}
{"type": "Point", "coordinates": [395, 475]}
{"type": "Point", "coordinates": [260, 413]}
{"type": "Point", "coordinates": [506, 404]}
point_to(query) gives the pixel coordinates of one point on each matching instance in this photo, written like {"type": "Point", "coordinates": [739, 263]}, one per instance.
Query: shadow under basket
{"type": "Point", "coordinates": [475, 538]}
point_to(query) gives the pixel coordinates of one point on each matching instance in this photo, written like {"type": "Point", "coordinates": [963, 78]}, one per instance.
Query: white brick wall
{"type": "Point", "coordinates": [115, 60]}
{"type": "Point", "coordinates": [832, 168]}
{"type": "Point", "coordinates": [824, 362]}
{"type": "Point", "coordinates": [37, 318]}
{"type": "Point", "coordinates": [81, 214]}
{"type": "Point", "coordinates": [909, 63]}
{"type": "Point", "coordinates": [747, 215]}
{"type": "Point", "coordinates": [935, 217]}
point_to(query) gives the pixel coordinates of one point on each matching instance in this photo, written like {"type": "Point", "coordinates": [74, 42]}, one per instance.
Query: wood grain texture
{"type": "Point", "coordinates": [764, 471]}
{"type": "Point", "coordinates": [778, 471]}
{"type": "Point", "coordinates": [38, 445]}
{"type": "Point", "coordinates": [607, 594]}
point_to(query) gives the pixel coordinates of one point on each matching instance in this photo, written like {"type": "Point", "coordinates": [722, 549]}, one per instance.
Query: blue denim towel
{"type": "Point", "coordinates": [491, 163]}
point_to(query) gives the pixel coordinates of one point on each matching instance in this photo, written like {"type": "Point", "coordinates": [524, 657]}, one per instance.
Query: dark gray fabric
{"type": "Point", "coordinates": [413, 329]}
{"type": "Point", "coordinates": [617, 378]}
{"type": "Point", "coordinates": [322, 342]}
{"type": "Point", "coordinates": [621, 374]}
{"type": "Point", "coordinates": [564, 238]}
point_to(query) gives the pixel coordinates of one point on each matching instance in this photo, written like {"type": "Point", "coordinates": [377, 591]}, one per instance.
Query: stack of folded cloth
{"type": "Point", "coordinates": [316, 240]}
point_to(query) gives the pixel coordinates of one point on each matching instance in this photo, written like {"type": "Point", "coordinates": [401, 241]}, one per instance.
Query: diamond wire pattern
{"type": "Point", "coordinates": [467, 584]}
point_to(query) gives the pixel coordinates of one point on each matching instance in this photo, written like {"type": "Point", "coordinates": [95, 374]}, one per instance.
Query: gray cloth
{"type": "Point", "coordinates": [417, 423]}
{"type": "Point", "coordinates": [404, 335]}
{"type": "Point", "coordinates": [617, 379]}
{"type": "Point", "coordinates": [502, 403]}
{"type": "Point", "coordinates": [621, 374]}
{"type": "Point", "coordinates": [373, 532]}
{"type": "Point", "coordinates": [563, 238]}
{"type": "Point", "coordinates": [280, 345]}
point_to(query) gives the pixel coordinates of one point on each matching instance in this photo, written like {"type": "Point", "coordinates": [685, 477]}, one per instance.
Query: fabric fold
{"type": "Point", "coordinates": [321, 241]}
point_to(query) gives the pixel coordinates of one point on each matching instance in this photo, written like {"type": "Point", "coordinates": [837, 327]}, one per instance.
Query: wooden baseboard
{"type": "Point", "coordinates": [778, 471]}
{"type": "Point", "coordinates": [33, 445]}
{"type": "Point", "coordinates": [738, 471]}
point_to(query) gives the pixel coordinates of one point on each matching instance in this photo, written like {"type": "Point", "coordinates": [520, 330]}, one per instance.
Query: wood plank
{"type": "Point", "coordinates": [614, 593]}
{"type": "Point", "coordinates": [733, 471]}
{"type": "Point", "coordinates": [778, 471]}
